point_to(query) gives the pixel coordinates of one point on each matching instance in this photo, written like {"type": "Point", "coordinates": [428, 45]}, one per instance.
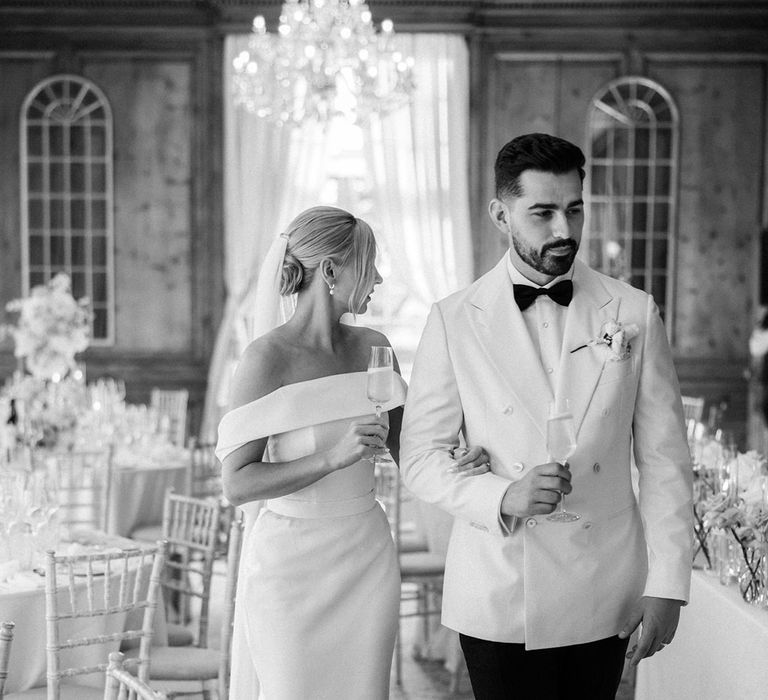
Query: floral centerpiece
{"type": "Point", "coordinates": [736, 512]}
{"type": "Point", "coordinates": [52, 328]}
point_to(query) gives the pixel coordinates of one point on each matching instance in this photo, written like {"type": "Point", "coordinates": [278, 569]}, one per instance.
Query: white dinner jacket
{"type": "Point", "coordinates": [477, 372]}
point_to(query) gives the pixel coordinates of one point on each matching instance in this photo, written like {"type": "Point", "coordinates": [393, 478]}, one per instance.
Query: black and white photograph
{"type": "Point", "coordinates": [388, 350]}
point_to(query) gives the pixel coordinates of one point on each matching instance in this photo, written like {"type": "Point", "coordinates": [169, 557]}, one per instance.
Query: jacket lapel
{"type": "Point", "coordinates": [500, 328]}
{"type": "Point", "coordinates": [579, 371]}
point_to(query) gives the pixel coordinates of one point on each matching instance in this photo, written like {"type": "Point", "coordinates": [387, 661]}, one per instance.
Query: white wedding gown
{"type": "Point", "coordinates": [319, 587]}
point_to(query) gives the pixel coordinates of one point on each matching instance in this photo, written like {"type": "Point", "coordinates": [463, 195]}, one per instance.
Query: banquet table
{"type": "Point", "coordinates": [720, 651]}
{"type": "Point", "coordinates": [138, 488]}
{"type": "Point", "coordinates": [22, 600]}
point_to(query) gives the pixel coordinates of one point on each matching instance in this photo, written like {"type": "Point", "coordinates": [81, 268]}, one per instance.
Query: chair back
{"type": "Point", "coordinates": [171, 407]}
{"type": "Point", "coordinates": [235, 541]}
{"type": "Point", "coordinates": [693, 408]}
{"type": "Point", "coordinates": [191, 529]}
{"type": "Point", "coordinates": [121, 685]}
{"type": "Point", "coordinates": [389, 494]}
{"type": "Point", "coordinates": [107, 584]}
{"type": "Point", "coordinates": [82, 480]}
{"type": "Point", "coordinates": [205, 470]}
{"type": "Point", "coordinates": [6, 637]}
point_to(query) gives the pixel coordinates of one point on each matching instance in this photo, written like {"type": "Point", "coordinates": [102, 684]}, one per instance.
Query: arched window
{"type": "Point", "coordinates": [67, 195]}
{"type": "Point", "coordinates": [632, 162]}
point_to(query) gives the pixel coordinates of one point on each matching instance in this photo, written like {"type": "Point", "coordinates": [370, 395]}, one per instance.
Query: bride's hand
{"type": "Point", "coordinates": [470, 461]}
{"type": "Point", "coordinates": [362, 440]}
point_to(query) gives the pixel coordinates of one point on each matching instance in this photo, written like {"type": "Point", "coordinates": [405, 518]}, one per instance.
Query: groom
{"type": "Point", "coordinates": [545, 609]}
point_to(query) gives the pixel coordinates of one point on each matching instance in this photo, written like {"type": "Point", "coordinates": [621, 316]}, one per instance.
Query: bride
{"type": "Point", "coordinates": [319, 588]}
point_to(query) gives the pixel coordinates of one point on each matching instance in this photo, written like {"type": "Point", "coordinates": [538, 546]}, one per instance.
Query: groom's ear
{"type": "Point", "coordinates": [499, 215]}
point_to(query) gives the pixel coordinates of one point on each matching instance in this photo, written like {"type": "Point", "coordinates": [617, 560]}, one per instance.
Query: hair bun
{"type": "Point", "coordinates": [292, 275]}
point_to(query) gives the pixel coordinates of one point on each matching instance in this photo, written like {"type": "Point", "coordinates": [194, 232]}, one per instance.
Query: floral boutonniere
{"type": "Point", "coordinates": [616, 337]}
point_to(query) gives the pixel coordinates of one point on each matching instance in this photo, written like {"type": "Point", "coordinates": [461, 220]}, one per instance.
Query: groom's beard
{"type": "Point", "coordinates": [542, 260]}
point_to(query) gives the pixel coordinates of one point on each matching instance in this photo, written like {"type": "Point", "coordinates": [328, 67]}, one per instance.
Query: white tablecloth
{"type": "Point", "coordinates": [22, 601]}
{"type": "Point", "coordinates": [720, 651]}
{"type": "Point", "coordinates": [138, 493]}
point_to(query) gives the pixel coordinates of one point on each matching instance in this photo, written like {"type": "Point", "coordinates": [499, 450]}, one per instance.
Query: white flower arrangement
{"type": "Point", "coordinates": [758, 342]}
{"type": "Point", "coordinates": [616, 337]}
{"type": "Point", "coordinates": [52, 328]}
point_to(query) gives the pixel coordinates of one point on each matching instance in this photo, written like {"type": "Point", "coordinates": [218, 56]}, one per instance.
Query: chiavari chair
{"type": "Point", "coordinates": [202, 663]}
{"type": "Point", "coordinates": [122, 685]}
{"type": "Point", "coordinates": [82, 480]}
{"type": "Point", "coordinates": [421, 571]}
{"type": "Point", "coordinates": [693, 408]}
{"type": "Point", "coordinates": [79, 589]}
{"type": "Point", "coordinates": [171, 407]}
{"type": "Point", "coordinates": [6, 637]}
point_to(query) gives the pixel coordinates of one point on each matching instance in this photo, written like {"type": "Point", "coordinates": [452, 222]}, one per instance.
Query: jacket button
{"type": "Point", "coordinates": [596, 467]}
{"type": "Point", "coordinates": [508, 410]}
{"type": "Point", "coordinates": [518, 466]}
{"type": "Point", "coordinates": [531, 522]}
{"type": "Point", "coordinates": [587, 525]}
{"type": "Point", "coordinates": [606, 411]}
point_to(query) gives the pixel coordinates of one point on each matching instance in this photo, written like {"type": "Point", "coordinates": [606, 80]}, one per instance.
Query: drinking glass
{"type": "Point", "coordinates": [381, 379]}
{"type": "Point", "coordinates": [561, 444]}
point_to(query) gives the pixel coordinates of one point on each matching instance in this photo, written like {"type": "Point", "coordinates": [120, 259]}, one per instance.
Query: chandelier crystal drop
{"type": "Point", "coordinates": [325, 60]}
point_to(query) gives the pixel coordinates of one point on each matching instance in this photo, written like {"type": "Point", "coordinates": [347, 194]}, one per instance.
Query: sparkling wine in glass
{"type": "Point", "coordinates": [561, 444]}
{"type": "Point", "coordinates": [381, 380]}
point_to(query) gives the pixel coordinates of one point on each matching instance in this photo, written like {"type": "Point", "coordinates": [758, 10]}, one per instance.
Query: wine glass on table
{"type": "Point", "coordinates": [381, 379]}
{"type": "Point", "coordinates": [561, 444]}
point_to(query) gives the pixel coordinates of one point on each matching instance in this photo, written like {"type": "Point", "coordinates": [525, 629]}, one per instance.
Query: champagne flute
{"type": "Point", "coordinates": [381, 379]}
{"type": "Point", "coordinates": [561, 444]}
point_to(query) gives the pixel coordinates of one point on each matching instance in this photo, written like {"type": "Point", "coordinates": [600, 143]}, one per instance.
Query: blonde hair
{"type": "Point", "coordinates": [329, 232]}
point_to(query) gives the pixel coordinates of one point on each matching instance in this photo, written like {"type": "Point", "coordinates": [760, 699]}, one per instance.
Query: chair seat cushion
{"type": "Point", "coordinates": [148, 533]}
{"type": "Point", "coordinates": [182, 663]}
{"type": "Point", "coordinates": [411, 541]}
{"type": "Point", "coordinates": [421, 564]}
{"type": "Point", "coordinates": [68, 691]}
{"type": "Point", "coordinates": [180, 636]}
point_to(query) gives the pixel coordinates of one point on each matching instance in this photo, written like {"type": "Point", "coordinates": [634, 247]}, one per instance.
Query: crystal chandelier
{"type": "Point", "coordinates": [325, 60]}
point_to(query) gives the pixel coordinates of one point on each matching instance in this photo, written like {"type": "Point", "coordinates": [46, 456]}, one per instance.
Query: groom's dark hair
{"type": "Point", "coordinates": [549, 154]}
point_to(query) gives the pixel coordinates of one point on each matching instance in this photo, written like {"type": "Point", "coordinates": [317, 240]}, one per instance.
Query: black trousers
{"type": "Point", "coordinates": [501, 671]}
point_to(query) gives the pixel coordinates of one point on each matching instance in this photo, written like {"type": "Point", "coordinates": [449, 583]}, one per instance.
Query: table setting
{"type": "Point", "coordinates": [22, 600]}
{"type": "Point", "coordinates": [721, 642]}
{"type": "Point", "coordinates": [49, 415]}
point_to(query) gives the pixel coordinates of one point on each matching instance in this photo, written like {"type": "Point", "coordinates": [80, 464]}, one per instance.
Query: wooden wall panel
{"type": "Point", "coordinates": [722, 121]}
{"type": "Point", "coordinates": [527, 94]}
{"type": "Point", "coordinates": [17, 77]}
{"type": "Point", "coordinates": [151, 101]}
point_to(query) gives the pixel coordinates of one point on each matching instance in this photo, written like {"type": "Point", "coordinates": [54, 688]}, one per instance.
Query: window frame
{"type": "Point", "coordinates": [635, 92]}
{"type": "Point", "coordinates": [42, 98]}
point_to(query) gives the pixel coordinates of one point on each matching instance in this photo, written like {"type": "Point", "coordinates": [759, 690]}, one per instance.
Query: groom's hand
{"type": "Point", "coordinates": [659, 618]}
{"type": "Point", "coordinates": [538, 492]}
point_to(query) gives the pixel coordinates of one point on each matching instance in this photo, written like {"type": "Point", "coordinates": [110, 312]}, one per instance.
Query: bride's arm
{"type": "Point", "coordinates": [247, 478]}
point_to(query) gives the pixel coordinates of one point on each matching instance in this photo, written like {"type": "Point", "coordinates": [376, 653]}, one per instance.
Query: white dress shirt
{"type": "Point", "coordinates": [545, 321]}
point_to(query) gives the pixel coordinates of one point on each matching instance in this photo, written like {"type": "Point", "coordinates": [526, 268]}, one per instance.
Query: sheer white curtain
{"type": "Point", "coordinates": [419, 160]}
{"type": "Point", "coordinates": [418, 157]}
{"type": "Point", "coordinates": [270, 175]}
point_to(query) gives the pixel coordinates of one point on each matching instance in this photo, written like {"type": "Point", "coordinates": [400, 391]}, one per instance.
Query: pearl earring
{"type": "Point", "coordinates": [330, 289]}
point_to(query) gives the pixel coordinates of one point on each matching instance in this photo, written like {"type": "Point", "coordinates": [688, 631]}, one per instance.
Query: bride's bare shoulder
{"type": "Point", "coordinates": [260, 371]}
{"type": "Point", "coordinates": [369, 336]}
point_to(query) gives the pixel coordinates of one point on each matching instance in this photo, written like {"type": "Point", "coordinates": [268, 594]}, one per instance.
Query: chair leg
{"type": "Point", "coordinates": [456, 678]}
{"type": "Point", "coordinates": [398, 656]}
{"type": "Point", "coordinates": [424, 602]}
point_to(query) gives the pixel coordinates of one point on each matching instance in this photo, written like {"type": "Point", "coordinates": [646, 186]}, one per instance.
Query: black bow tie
{"type": "Point", "coordinates": [562, 293]}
